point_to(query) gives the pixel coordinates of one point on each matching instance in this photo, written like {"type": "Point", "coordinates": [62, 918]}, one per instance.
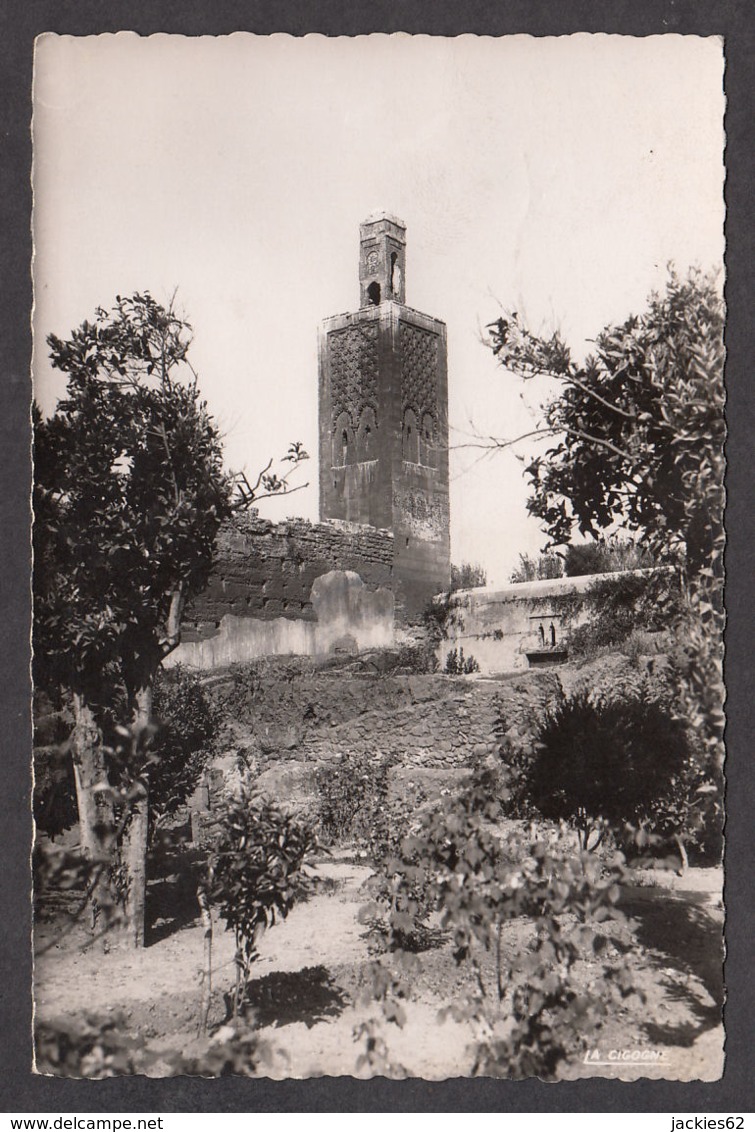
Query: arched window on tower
{"type": "Point", "coordinates": [410, 437]}
{"type": "Point", "coordinates": [373, 293]}
{"type": "Point", "coordinates": [395, 275]}
{"type": "Point", "coordinates": [344, 447]}
{"type": "Point", "coordinates": [427, 453]}
{"type": "Point", "coordinates": [366, 435]}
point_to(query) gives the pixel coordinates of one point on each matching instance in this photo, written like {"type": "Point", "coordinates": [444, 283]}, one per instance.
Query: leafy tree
{"type": "Point", "coordinates": [468, 576]}
{"type": "Point", "coordinates": [530, 569]}
{"type": "Point", "coordinates": [187, 726]}
{"type": "Point", "coordinates": [529, 1007]}
{"type": "Point", "coordinates": [129, 494]}
{"type": "Point", "coordinates": [255, 874]}
{"type": "Point", "coordinates": [638, 428]}
{"type": "Point", "coordinates": [602, 765]}
{"type": "Point", "coordinates": [638, 432]}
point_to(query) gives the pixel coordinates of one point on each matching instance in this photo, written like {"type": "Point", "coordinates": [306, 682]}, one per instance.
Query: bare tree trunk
{"type": "Point", "coordinates": [93, 799]}
{"type": "Point", "coordinates": [134, 847]}
{"type": "Point", "coordinates": [96, 819]}
{"type": "Point", "coordinates": [134, 859]}
{"type": "Point", "coordinates": [206, 974]}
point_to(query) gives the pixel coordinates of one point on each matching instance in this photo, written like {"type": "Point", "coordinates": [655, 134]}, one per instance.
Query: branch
{"type": "Point", "coordinates": [533, 370]}
{"type": "Point", "coordinates": [246, 500]}
{"type": "Point", "coordinates": [267, 485]}
{"type": "Point", "coordinates": [172, 637]}
{"type": "Point", "coordinates": [607, 404]}
{"type": "Point", "coordinates": [493, 443]}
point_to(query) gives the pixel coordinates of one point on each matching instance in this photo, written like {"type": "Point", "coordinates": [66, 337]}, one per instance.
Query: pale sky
{"type": "Point", "coordinates": [558, 176]}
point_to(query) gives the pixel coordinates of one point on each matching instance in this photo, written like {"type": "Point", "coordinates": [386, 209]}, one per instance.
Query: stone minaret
{"type": "Point", "coordinates": [383, 398]}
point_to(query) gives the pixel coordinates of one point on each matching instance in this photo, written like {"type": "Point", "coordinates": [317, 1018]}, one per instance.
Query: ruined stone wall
{"type": "Point", "coordinates": [435, 727]}
{"type": "Point", "coordinates": [291, 588]}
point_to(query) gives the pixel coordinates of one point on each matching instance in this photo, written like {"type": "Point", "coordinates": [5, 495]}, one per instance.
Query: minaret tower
{"type": "Point", "coordinates": [383, 398]}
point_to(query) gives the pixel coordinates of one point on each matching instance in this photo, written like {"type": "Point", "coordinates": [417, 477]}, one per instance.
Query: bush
{"type": "Point", "coordinates": [353, 806]}
{"type": "Point", "coordinates": [187, 726]}
{"type": "Point", "coordinates": [468, 576]}
{"type": "Point", "coordinates": [605, 557]}
{"type": "Point", "coordinates": [254, 874]}
{"type": "Point", "coordinates": [622, 606]}
{"type": "Point", "coordinates": [96, 1048]}
{"type": "Point", "coordinates": [602, 765]}
{"type": "Point", "coordinates": [459, 665]}
{"type": "Point", "coordinates": [544, 567]}
{"type": "Point", "coordinates": [530, 1010]}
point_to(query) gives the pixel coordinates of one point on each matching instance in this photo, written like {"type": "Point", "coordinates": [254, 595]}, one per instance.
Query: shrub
{"type": "Point", "coordinates": [622, 606]}
{"type": "Point", "coordinates": [96, 1048]}
{"type": "Point", "coordinates": [184, 742]}
{"type": "Point", "coordinates": [459, 665]}
{"type": "Point", "coordinates": [468, 576]}
{"type": "Point", "coordinates": [353, 800]}
{"type": "Point", "coordinates": [601, 765]}
{"type": "Point", "coordinates": [545, 566]}
{"type": "Point", "coordinates": [254, 874]}
{"type": "Point", "coordinates": [530, 1010]}
{"type": "Point", "coordinates": [606, 556]}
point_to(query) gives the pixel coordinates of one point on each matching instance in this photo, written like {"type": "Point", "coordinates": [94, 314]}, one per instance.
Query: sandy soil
{"type": "Point", "coordinates": [311, 967]}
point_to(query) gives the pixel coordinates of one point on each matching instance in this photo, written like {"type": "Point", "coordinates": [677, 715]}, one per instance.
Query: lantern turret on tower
{"type": "Point", "coordinates": [382, 260]}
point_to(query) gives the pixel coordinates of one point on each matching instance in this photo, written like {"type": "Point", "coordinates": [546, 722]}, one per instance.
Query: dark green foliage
{"type": "Point", "coordinates": [440, 614]}
{"type": "Point", "coordinates": [255, 873]}
{"type": "Point", "coordinates": [639, 428]}
{"type": "Point", "coordinates": [607, 764]}
{"type": "Point", "coordinates": [605, 557]}
{"type": "Point", "coordinates": [353, 800]}
{"type": "Point", "coordinates": [638, 442]}
{"type": "Point", "coordinates": [459, 665]}
{"type": "Point", "coordinates": [544, 567]}
{"type": "Point", "coordinates": [478, 880]}
{"type": "Point", "coordinates": [54, 798]}
{"type": "Point", "coordinates": [129, 495]}
{"type": "Point", "coordinates": [414, 660]}
{"type": "Point", "coordinates": [618, 607]}
{"type": "Point", "coordinates": [97, 1048]}
{"type": "Point", "coordinates": [468, 576]}
{"type": "Point", "coordinates": [91, 1047]}
{"type": "Point", "coordinates": [54, 791]}
{"type": "Point", "coordinates": [187, 725]}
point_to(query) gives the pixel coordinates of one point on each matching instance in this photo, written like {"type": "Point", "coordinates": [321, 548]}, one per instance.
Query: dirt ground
{"type": "Point", "coordinates": [307, 982]}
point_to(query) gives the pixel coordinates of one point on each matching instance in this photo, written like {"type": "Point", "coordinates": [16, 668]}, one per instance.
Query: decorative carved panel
{"type": "Point", "coordinates": [353, 371]}
{"type": "Point", "coordinates": [421, 514]}
{"type": "Point", "coordinates": [419, 370]}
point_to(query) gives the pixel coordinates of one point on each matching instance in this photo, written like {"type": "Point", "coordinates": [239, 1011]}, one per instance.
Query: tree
{"type": "Point", "coordinates": [605, 556]}
{"type": "Point", "coordinates": [638, 443]}
{"type": "Point", "coordinates": [255, 874]}
{"type": "Point", "coordinates": [597, 766]}
{"type": "Point", "coordinates": [468, 576]}
{"type": "Point", "coordinates": [129, 495]}
{"type": "Point", "coordinates": [638, 428]}
{"type": "Point", "coordinates": [545, 566]}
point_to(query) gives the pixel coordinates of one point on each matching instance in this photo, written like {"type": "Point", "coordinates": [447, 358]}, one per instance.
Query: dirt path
{"type": "Point", "coordinates": [309, 966]}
